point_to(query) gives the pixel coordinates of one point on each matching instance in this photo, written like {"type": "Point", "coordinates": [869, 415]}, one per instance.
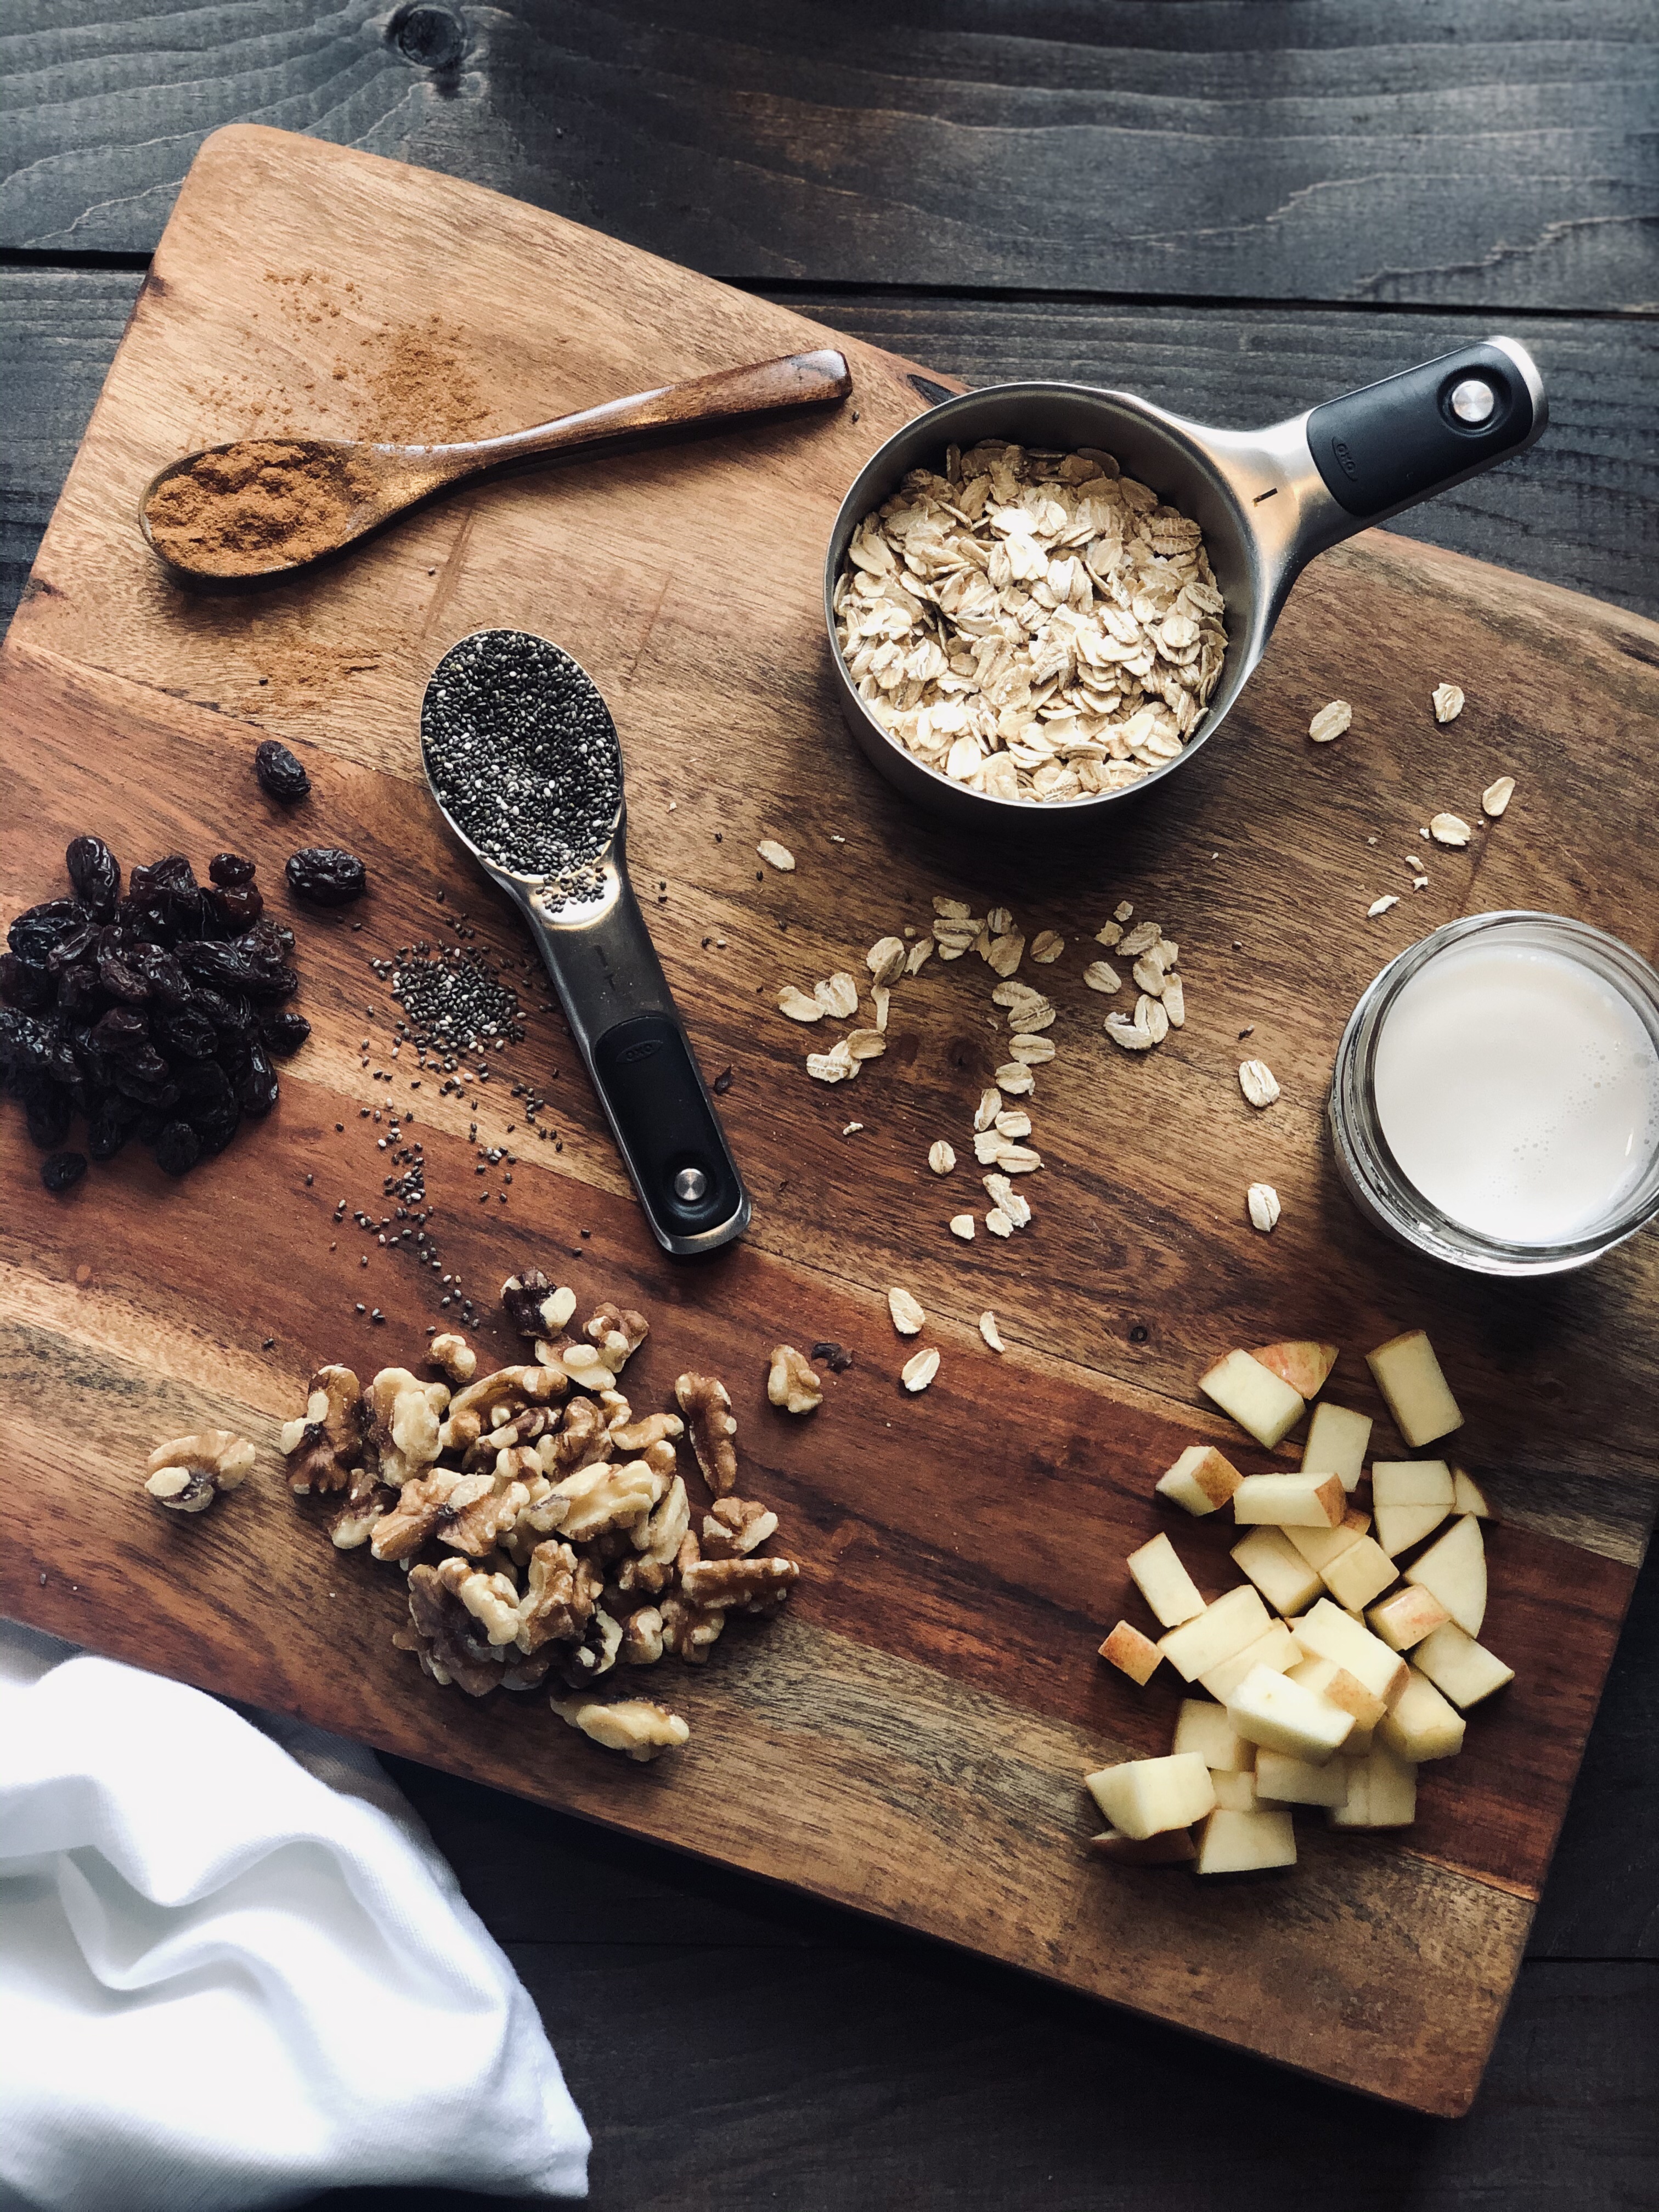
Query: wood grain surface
{"type": "Point", "coordinates": [931, 1700]}
{"type": "Point", "coordinates": [1495, 151]}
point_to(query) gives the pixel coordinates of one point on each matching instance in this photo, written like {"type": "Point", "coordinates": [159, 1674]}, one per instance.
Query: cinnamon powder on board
{"type": "Point", "coordinates": [262, 503]}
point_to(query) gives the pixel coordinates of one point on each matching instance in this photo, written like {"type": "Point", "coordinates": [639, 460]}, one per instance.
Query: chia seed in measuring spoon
{"type": "Point", "coordinates": [522, 754]}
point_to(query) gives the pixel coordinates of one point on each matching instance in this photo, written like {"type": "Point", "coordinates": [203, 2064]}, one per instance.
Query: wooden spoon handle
{"type": "Point", "coordinates": [729, 395]}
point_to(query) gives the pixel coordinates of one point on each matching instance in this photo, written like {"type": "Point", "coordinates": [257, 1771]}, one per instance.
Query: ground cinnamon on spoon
{"type": "Point", "coordinates": [261, 504]}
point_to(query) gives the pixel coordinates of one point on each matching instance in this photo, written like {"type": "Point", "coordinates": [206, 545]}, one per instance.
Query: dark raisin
{"type": "Point", "coordinates": [835, 1357]}
{"type": "Point", "coordinates": [24, 984]}
{"type": "Point", "coordinates": [284, 1032]}
{"type": "Point", "coordinates": [47, 1106]}
{"type": "Point", "coordinates": [230, 869]}
{"type": "Point", "coordinates": [121, 1033]}
{"type": "Point", "coordinates": [237, 907]}
{"type": "Point", "coordinates": [108, 1126]}
{"type": "Point", "coordinates": [94, 871]}
{"type": "Point", "coordinates": [63, 1170]}
{"type": "Point", "coordinates": [257, 1087]}
{"type": "Point", "coordinates": [216, 1134]}
{"type": "Point", "coordinates": [186, 1032]}
{"type": "Point", "coordinates": [116, 971]}
{"type": "Point", "coordinates": [35, 932]}
{"type": "Point", "coordinates": [171, 874]}
{"type": "Point", "coordinates": [205, 1094]}
{"type": "Point", "coordinates": [326, 875]}
{"type": "Point", "coordinates": [279, 773]}
{"type": "Point", "coordinates": [72, 947]}
{"type": "Point", "coordinates": [25, 1041]}
{"type": "Point", "coordinates": [178, 1148]}
{"type": "Point", "coordinates": [163, 978]}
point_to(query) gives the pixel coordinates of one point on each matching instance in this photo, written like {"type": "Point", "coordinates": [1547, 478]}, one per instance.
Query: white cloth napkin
{"type": "Point", "coordinates": [235, 1972]}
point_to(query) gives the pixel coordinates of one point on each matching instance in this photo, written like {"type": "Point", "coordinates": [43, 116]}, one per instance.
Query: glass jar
{"type": "Point", "coordinates": [1367, 1163]}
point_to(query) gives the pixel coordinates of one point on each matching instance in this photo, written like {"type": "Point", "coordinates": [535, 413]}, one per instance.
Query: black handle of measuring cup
{"type": "Point", "coordinates": [1388, 445]}
{"type": "Point", "coordinates": [669, 1133]}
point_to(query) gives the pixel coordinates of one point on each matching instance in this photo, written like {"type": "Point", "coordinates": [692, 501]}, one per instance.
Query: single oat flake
{"type": "Point", "coordinates": [941, 1157]}
{"type": "Point", "coordinates": [1448, 702]}
{"type": "Point", "coordinates": [1496, 796]}
{"type": "Point", "coordinates": [989, 1331]}
{"type": "Point", "coordinates": [1330, 721]}
{"type": "Point", "coordinates": [908, 1319]}
{"type": "Point", "coordinates": [961, 1224]}
{"type": "Point", "coordinates": [1263, 1201]}
{"type": "Point", "coordinates": [776, 855]}
{"type": "Point", "coordinates": [1047, 946]}
{"type": "Point", "coordinates": [999, 1222]}
{"type": "Point", "coordinates": [919, 1370]}
{"type": "Point", "coordinates": [797, 1006]}
{"type": "Point", "coordinates": [1381, 905]}
{"type": "Point", "coordinates": [1450, 829]}
{"type": "Point", "coordinates": [1256, 1081]}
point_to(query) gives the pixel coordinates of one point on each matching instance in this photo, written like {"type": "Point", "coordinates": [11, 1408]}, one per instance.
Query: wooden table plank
{"type": "Point", "coordinates": [1581, 509]}
{"type": "Point", "coordinates": [1338, 150]}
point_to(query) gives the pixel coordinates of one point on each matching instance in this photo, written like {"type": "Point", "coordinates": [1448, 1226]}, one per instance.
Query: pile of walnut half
{"type": "Point", "coordinates": [544, 1528]}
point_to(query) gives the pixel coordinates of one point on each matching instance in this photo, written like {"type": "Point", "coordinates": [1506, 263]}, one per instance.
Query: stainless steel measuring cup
{"type": "Point", "coordinates": [1266, 501]}
{"type": "Point", "coordinates": [595, 946]}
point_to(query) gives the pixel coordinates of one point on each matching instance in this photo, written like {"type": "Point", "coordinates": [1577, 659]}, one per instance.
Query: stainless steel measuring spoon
{"type": "Point", "coordinates": [1267, 501]}
{"type": "Point", "coordinates": [523, 762]}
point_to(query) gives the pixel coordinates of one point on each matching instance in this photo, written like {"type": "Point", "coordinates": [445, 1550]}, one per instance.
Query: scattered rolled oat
{"type": "Point", "coordinates": [961, 1224]}
{"type": "Point", "coordinates": [989, 1330]}
{"type": "Point", "coordinates": [1035, 625]}
{"type": "Point", "coordinates": [919, 1370]}
{"type": "Point", "coordinates": [1256, 1081]}
{"type": "Point", "coordinates": [838, 995]}
{"type": "Point", "coordinates": [1131, 1035]}
{"type": "Point", "coordinates": [799, 1007]}
{"type": "Point", "coordinates": [908, 1319]}
{"type": "Point", "coordinates": [941, 1157]}
{"type": "Point", "coordinates": [999, 1223]}
{"type": "Point", "coordinates": [1099, 976]}
{"type": "Point", "coordinates": [1016, 1078]}
{"type": "Point", "coordinates": [1448, 702]}
{"type": "Point", "coordinates": [1450, 829]}
{"type": "Point", "coordinates": [1330, 721]}
{"type": "Point", "coordinates": [1121, 912]}
{"type": "Point", "coordinates": [1035, 1051]}
{"type": "Point", "coordinates": [1381, 905]}
{"type": "Point", "coordinates": [1496, 796]}
{"type": "Point", "coordinates": [1047, 946]}
{"type": "Point", "coordinates": [864, 1044]}
{"type": "Point", "coordinates": [776, 855]}
{"type": "Point", "coordinates": [990, 1105]}
{"type": "Point", "coordinates": [887, 958]}
{"type": "Point", "coordinates": [834, 1066]}
{"type": "Point", "coordinates": [1263, 1201]}
{"type": "Point", "coordinates": [1175, 1002]}
{"type": "Point", "coordinates": [851, 1128]}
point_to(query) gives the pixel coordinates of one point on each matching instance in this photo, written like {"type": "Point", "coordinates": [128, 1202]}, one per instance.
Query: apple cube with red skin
{"type": "Point", "coordinates": [1406, 1617]}
{"type": "Point", "coordinates": [1304, 1366]}
{"type": "Point", "coordinates": [1328, 1633]}
{"type": "Point", "coordinates": [1201, 1480]}
{"type": "Point", "coordinates": [1455, 1569]}
{"type": "Point", "coordinates": [1290, 1501]}
{"type": "Point", "coordinates": [1132, 1653]}
{"type": "Point", "coordinates": [1261, 1402]}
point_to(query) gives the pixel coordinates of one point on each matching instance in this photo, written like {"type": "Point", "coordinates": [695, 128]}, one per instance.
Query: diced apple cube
{"type": "Point", "coordinates": [1235, 1619]}
{"type": "Point", "coordinates": [1200, 1480]}
{"type": "Point", "coordinates": [1412, 1497]}
{"type": "Point", "coordinates": [1235, 1793]}
{"type": "Point", "coordinates": [1290, 1501]}
{"type": "Point", "coordinates": [1464, 1670]}
{"type": "Point", "coordinates": [1408, 1376]}
{"type": "Point", "coordinates": [1278, 1648]}
{"type": "Point", "coordinates": [1145, 1796]}
{"type": "Point", "coordinates": [1361, 1573]}
{"type": "Point", "coordinates": [1163, 1582]}
{"type": "Point", "coordinates": [1399, 1527]}
{"type": "Point", "coordinates": [1282, 1780]}
{"type": "Point", "coordinates": [1337, 1441]}
{"type": "Point", "coordinates": [1467, 1497]}
{"type": "Point", "coordinates": [1286, 1716]}
{"type": "Point", "coordinates": [1303, 1366]}
{"type": "Point", "coordinates": [1420, 1725]}
{"type": "Point", "coordinates": [1382, 1792]}
{"type": "Point", "coordinates": [1172, 1847]}
{"type": "Point", "coordinates": [1339, 1688]}
{"type": "Point", "coordinates": [1258, 1400]}
{"type": "Point", "coordinates": [1406, 1617]}
{"type": "Point", "coordinates": [1319, 1547]}
{"type": "Point", "coordinates": [1132, 1653]}
{"type": "Point", "coordinates": [1245, 1842]}
{"type": "Point", "coordinates": [1327, 1633]}
{"type": "Point", "coordinates": [1277, 1569]}
{"type": "Point", "coordinates": [1455, 1569]}
{"type": "Point", "coordinates": [1205, 1728]}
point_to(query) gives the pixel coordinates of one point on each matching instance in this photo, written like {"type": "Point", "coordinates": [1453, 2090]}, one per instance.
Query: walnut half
{"type": "Point", "coordinates": [188, 1474]}
{"type": "Point", "coordinates": [326, 1446]}
{"type": "Point", "coordinates": [707, 1406]}
{"type": "Point", "coordinates": [636, 1725]}
{"type": "Point", "coordinates": [791, 1381]}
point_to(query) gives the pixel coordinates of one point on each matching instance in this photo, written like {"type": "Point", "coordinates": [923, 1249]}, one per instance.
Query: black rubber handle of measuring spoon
{"type": "Point", "coordinates": [668, 1131]}
{"type": "Point", "coordinates": [1390, 445]}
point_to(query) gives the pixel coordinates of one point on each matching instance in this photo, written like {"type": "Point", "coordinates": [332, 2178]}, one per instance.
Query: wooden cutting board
{"type": "Point", "coordinates": [908, 1737]}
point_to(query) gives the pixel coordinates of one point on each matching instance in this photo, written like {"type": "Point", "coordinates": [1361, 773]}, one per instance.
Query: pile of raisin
{"type": "Point", "coordinates": [154, 1015]}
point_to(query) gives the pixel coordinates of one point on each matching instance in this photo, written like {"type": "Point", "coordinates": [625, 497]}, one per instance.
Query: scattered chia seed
{"type": "Point", "coordinates": [523, 755]}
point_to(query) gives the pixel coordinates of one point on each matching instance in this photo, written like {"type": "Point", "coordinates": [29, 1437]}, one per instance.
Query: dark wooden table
{"type": "Point", "coordinates": [1235, 206]}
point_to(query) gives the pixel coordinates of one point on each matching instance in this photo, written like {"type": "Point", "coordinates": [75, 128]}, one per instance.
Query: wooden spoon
{"type": "Point", "coordinates": [265, 507]}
